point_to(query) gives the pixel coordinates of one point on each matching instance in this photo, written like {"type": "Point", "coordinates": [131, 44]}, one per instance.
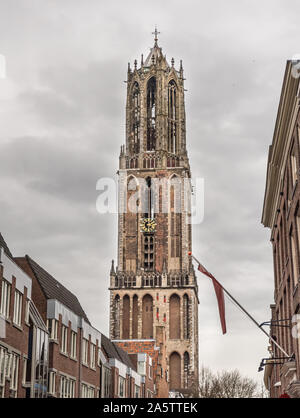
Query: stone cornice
{"type": "Point", "coordinates": [278, 151]}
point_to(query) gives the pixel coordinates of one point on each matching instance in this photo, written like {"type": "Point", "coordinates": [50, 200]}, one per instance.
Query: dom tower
{"type": "Point", "coordinates": [154, 283]}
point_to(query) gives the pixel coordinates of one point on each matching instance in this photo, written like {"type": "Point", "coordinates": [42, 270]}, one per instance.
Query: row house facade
{"type": "Point", "coordinates": [23, 334]}
{"type": "Point", "coordinates": [73, 343]}
{"type": "Point", "coordinates": [126, 382]}
{"type": "Point", "coordinates": [281, 213]}
{"type": "Point", "coordinates": [48, 347]}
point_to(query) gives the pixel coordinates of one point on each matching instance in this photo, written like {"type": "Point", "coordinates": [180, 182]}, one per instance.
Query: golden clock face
{"type": "Point", "coordinates": [148, 225]}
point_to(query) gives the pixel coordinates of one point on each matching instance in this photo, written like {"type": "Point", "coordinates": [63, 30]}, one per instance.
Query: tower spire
{"type": "Point", "coordinates": [155, 33]}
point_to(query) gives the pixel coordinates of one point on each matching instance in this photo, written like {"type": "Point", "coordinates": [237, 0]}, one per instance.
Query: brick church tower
{"type": "Point", "coordinates": [154, 284]}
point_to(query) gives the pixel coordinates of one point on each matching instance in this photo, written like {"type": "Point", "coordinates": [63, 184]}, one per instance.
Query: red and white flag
{"type": "Point", "coordinates": [219, 293]}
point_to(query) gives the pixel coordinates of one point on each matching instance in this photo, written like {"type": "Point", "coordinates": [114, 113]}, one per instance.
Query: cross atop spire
{"type": "Point", "coordinates": [155, 33]}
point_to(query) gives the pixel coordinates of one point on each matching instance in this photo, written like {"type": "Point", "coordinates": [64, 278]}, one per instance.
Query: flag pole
{"type": "Point", "coordinates": [247, 313]}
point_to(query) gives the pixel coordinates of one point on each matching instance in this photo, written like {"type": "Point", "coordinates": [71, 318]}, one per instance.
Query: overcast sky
{"type": "Point", "coordinates": [62, 107]}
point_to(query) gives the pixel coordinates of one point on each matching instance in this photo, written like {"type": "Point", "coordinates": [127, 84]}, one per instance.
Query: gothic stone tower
{"type": "Point", "coordinates": [154, 283]}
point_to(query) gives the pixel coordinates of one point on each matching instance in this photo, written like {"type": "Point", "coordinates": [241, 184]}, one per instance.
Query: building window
{"type": "Point", "coordinates": [107, 382]}
{"type": "Point", "coordinates": [64, 339]}
{"type": "Point", "coordinates": [40, 382]}
{"type": "Point", "coordinates": [18, 308]}
{"type": "Point", "coordinates": [3, 359]}
{"type": "Point", "coordinates": [73, 344]}
{"type": "Point", "coordinates": [121, 387]}
{"type": "Point", "coordinates": [14, 373]}
{"type": "Point", "coordinates": [149, 394]}
{"type": "Point", "coordinates": [141, 368]}
{"type": "Point", "coordinates": [91, 392]}
{"type": "Point", "coordinates": [87, 391]}
{"type": "Point", "coordinates": [52, 325]}
{"type": "Point", "coordinates": [52, 383]}
{"type": "Point", "coordinates": [136, 391]}
{"type": "Point", "coordinates": [67, 387]}
{"type": "Point", "coordinates": [5, 298]}
{"type": "Point", "coordinates": [7, 365]}
{"type": "Point", "coordinates": [93, 356]}
{"type": "Point", "coordinates": [85, 348]}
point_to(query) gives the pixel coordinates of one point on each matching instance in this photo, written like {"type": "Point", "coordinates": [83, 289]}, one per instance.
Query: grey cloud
{"type": "Point", "coordinates": [65, 92]}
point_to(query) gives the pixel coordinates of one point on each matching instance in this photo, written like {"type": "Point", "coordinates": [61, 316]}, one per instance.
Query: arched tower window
{"type": "Point", "coordinates": [147, 318]}
{"type": "Point", "coordinates": [131, 225]}
{"type": "Point", "coordinates": [172, 117]}
{"type": "Point", "coordinates": [135, 315]}
{"type": "Point", "coordinates": [149, 199]}
{"type": "Point", "coordinates": [116, 317]}
{"type": "Point", "coordinates": [126, 313]}
{"type": "Point", "coordinates": [174, 330]}
{"type": "Point", "coordinates": [151, 114]}
{"type": "Point", "coordinates": [148, 238]}
{"type": "Point", "coordinates": [175, 370]}
{"type": "Point", "coordinates": [186, 322]}
{"type": "Point", "coordinates": [136, 109]}
{"type": "Point", "coordinates": [175, 217]}
{"type": "Point", "coordinates": [186, 363]}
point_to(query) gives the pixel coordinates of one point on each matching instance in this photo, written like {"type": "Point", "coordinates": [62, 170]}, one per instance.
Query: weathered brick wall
{"type": "Point", "coordinates": [171, 276]}
{"type": "Point", "coordinates": [16, 338]}
{"type": "Point", "coordinates": [285, 239]}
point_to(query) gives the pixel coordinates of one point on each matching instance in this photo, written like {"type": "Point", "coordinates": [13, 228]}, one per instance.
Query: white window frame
{"type": "Point", "coordinates": [122, 381]}
{"type": "Point", "coordinates": [67, 387]}
{"type": "Point", "coordinates": [14, 373]}
{"type": "Point", "coordinates": [64, 340]}
{"type": "Point", "coordinates": [73, 352]}
{"type": "Point", "coordinates": [3, 356]}
{"type": "Point", "coordinates": [91, 392]}
{"type": "Point", "coordinates": [17, 318]}
{"type": "Point", "coordinates": [92, 356]}
{"type": "Point", "coordinates": [85, 347]}
{"type": "Point", "coordinates": [7, 365]}
{"type": "Point", "coordinates": [84, 390]}
{"type": "Point", "coordinates": [5, 298]}
{"type": "Point", "coordinates": [52, 383]}
{"type": "Point", "coordinates": [137, 391]}
{"type": "Point", "coordinates": [52, 325]}
{"type": "Point", "coordinates": [87, 391]}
